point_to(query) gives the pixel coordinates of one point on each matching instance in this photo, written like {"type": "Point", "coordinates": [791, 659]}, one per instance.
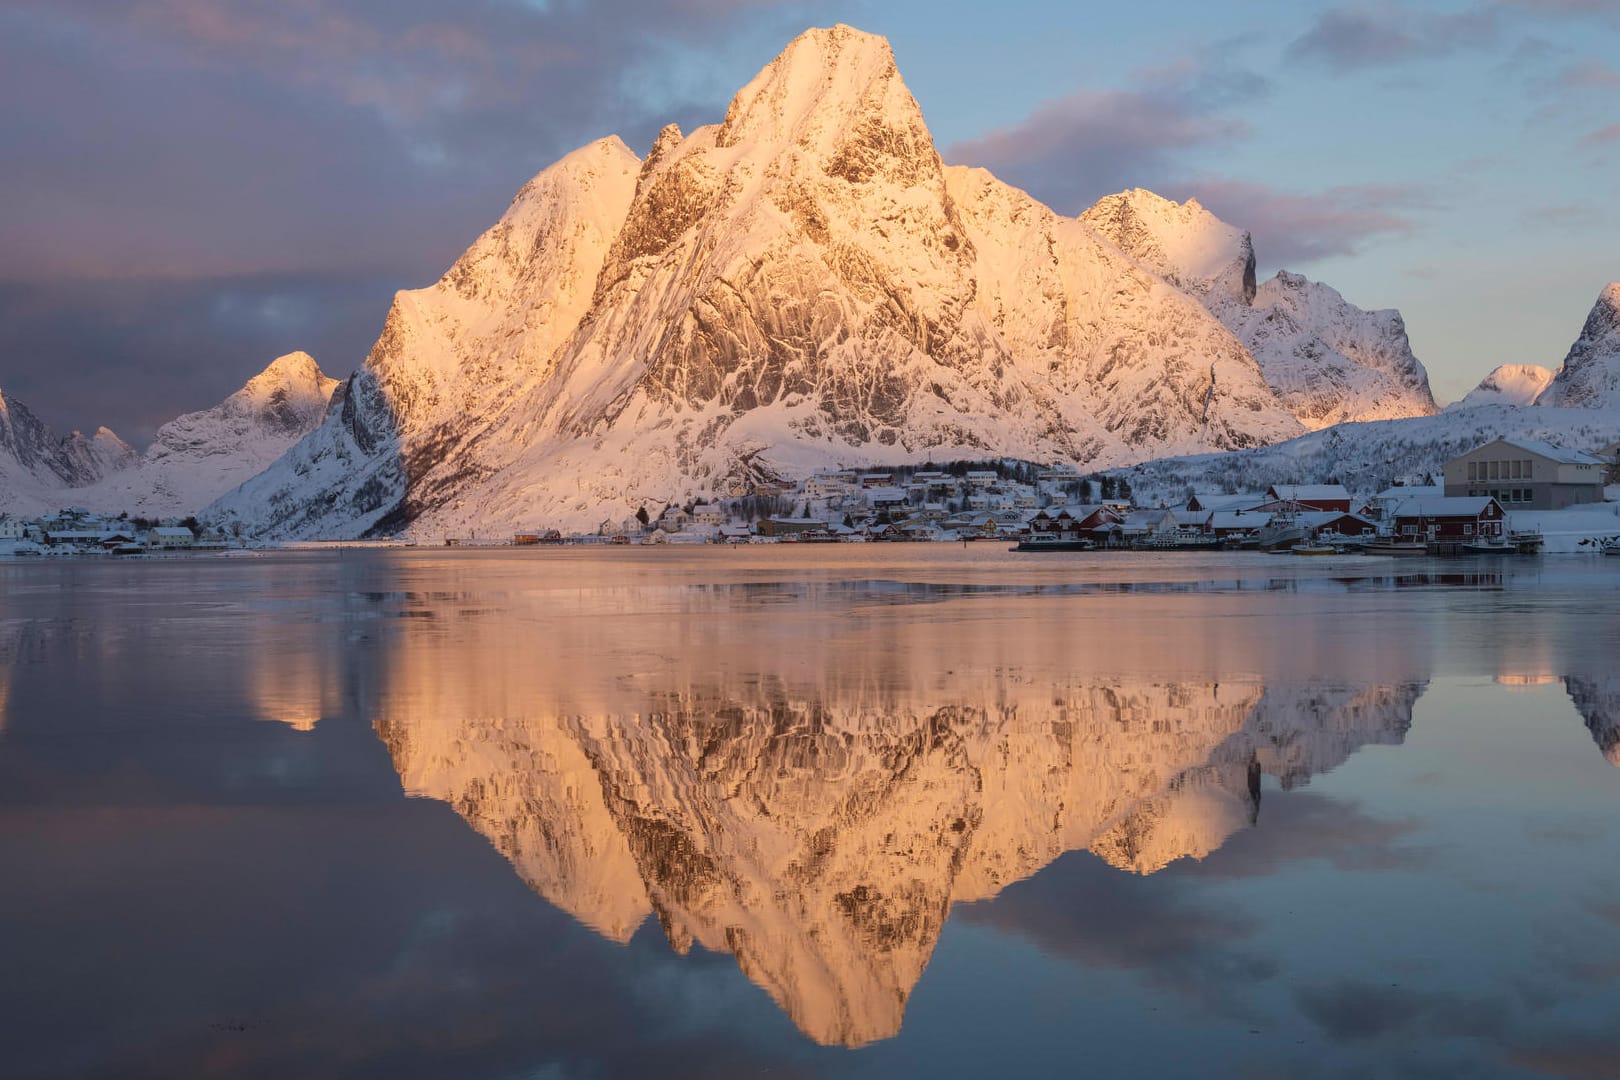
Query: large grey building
{"type": "Point", "coordinates": [1525, 474]}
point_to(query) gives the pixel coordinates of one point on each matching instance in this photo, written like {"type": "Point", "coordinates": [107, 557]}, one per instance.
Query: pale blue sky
{"type": "Point", "coordinates": [198, 185]}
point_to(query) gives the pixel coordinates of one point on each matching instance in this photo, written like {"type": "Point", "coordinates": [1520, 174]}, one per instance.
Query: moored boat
{"type": "Point", "coordinates": [1039, 543]}
{"type": "Point", "coordinates": [1313, 547]}
{"type": "Point", "coordinates": [1391, 545]}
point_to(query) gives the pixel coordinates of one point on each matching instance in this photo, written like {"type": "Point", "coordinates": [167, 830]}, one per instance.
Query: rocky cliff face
{"type": "Point", "coordinates": [1509, 384]}
{"type": "Point", "coordinates": [800, 285]}
{"type": "Point", "coordinates": [1590, 375]}
{"type": "Point", "coordinates": [1327, 360]}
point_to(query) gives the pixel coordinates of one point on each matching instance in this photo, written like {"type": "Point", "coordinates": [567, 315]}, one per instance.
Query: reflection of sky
{"type": "Point", "coordinates": [196, 883]}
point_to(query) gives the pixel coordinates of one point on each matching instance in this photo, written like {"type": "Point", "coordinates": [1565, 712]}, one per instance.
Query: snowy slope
{"type": "Point", "coordinates": [1183, 243]}
{"type": "Point", "coordinates": [1367, 457]}
{"type": "Point", "coordinates": [450, 359]}
{"type": "Point", "coordinates": [1590, 375]}
{"type": "Point", "coordinates": [1509, 384]}
{"type": "Point", "coordinates": [37, 468]}
{"type": "Point", "coordinates": [1327, 360]}
{"type": "Point", "coordinates": [801, 285]}
{"type": "Point", "coordinates": [199, 456]}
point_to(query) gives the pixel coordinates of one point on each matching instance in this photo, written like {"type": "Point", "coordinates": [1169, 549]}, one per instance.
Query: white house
{"type": "Point", "coordinates": [708, 514]}
{"type": "Point", "coordinates": [169, 537]}
{"type": "Point", "coordinates": [12, 528]}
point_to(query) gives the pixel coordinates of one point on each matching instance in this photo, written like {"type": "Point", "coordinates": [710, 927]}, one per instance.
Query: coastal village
{"type": "Point", "coordinates": [1506, 496]}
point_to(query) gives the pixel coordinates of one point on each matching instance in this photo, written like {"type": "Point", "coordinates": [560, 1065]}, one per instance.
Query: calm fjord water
{"type": "Point", "coordinates": [870, 811]}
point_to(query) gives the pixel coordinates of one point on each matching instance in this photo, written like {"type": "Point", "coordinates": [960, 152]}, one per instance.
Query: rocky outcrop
{"type": "Point", "coordinates": [1326, 360]}
{"type": "Point", "coordinates": [1590, 375]}
{"type": "Point", "coordinates": [37, 469]}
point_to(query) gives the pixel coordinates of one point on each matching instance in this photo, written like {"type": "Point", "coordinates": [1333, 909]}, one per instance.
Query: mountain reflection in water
{"type": "Point", "coordinates": [799, 768]}
{"type": "Point", "coordinates": [816, 813]}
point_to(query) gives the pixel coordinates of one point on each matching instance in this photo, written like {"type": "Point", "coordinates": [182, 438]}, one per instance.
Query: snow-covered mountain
{"type": "Point", "coordinates": [193, 459]}
{"type": "Point", "coordinates": [1327, 360]}
{"type": "Point", "coordinates": [1509, 384]}
{"type": "Point", "coordinates": [1368, 457]}
{"type": "Point", "coordinates": [1183, 243]}
{"type": "Point", "coordinates": [1579, 410]}
{"type": "Point", "coordinates": [197, 457]}
{"type": "Point", "coordinates": [1590, 375]}
{"type": "Point", "coordinates": [803, 284]}
{"type": "Point", "coordinates": [37, 467]}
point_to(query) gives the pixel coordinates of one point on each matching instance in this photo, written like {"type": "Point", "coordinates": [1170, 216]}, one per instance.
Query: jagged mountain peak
{"type": "Point", "coordinates": [827, 79]}
{"type": "Point", "coordinates": [291, 394]}
{"type": "Point", "coordinates": [1181, 242]}
{"type": "Point", "coordinates": [1590, 375]}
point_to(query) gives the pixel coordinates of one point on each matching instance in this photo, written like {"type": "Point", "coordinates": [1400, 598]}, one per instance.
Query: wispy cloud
{"type": "Point", "coordinates": [1291, 228]}
{"type": "Point", "coordinates": [1347, 39]}
{"type": "Point", "coordinates": [1071, 151]}
{"type": "Point", "coordinates": [1603, 136]}
{"type": "Point", "coordinates": [1589, 75]}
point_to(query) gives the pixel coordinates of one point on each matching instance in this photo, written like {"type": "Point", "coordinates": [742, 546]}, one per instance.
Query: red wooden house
{"type": "Point", "coordinates": [1449, 519]}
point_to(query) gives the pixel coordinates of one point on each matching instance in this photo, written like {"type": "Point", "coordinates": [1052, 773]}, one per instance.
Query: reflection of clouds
{"type": "Point", "coordinates": [1351, 1010]}
{"type": "Point", "coordinates": [1083, 910]}
{"type": "Point", "coordinates": [1303, 826]}
{"type": "Point", "coordinates": [1576, 1055]}
{"type": "Point", "coordinates": [347, 978]}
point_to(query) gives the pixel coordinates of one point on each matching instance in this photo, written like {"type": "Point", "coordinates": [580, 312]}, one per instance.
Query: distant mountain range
{"type": "Point", "coordinates": [803, 285]}
{"type": "Point", "coordinates": [193, 459]}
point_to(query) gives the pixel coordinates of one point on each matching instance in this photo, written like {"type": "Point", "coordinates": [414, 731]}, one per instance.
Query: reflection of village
{"type": "Point", "coordinates": [1498, 498]}
{"type": "Point", "coordinates": [819, 827]}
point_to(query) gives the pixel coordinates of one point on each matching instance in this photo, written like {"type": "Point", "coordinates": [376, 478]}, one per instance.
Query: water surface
{"type": "Point", "coordinates": [852, 810]}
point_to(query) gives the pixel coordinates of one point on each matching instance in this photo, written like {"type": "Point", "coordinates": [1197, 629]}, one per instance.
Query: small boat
{"type": "Point", "coordinates": [1284, 530]}
{"type": "Point", "coordinates": [1611, 546]}
{"type": "Point", "coordinates": [1041, 543]}
{"type": "Point", "coordinates": [1390, 545]}
{"type": "Point", "coordinates": [1526, 541]}
{"type": "Point", "coordinates": [1489, 547]}
{"type": "Point", "coordinates": [1313, 547]}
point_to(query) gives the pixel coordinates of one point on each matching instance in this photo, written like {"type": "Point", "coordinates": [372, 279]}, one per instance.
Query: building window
{"type": "Point", "coordinates": [1473, 472]}
{"type": "Point", "coordinates": [1517, 465]}
{"type": "Point", "coordinates": [1468, 530]}
{"type": "Point", "coordinates": [1527, 465]}
{"type": "Point", "coordinates": [1496, 470]}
